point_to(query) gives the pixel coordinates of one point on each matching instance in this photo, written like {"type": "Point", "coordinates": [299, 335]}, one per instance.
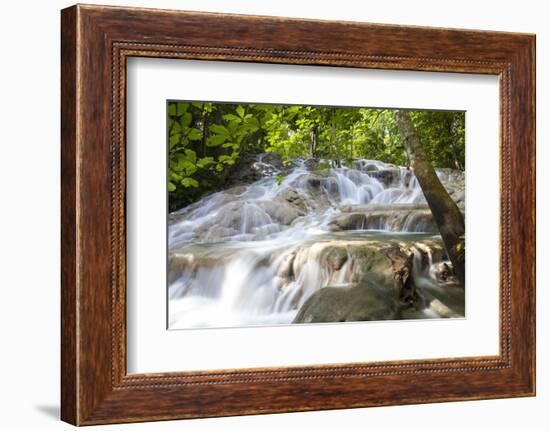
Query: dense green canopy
{"type": "Point", "coordinates": [207, 139]}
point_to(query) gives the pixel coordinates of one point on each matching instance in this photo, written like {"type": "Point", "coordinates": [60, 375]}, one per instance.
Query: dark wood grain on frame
{"type": "Point", "coordinates": [95, 42]}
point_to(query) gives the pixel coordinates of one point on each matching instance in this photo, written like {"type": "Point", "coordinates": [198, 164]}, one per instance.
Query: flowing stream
{"type": "Point", "coordinates": [253, 254]}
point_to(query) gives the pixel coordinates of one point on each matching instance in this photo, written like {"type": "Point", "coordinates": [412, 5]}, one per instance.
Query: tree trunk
{"type": "Point", "coordinates": [314, 136]}
{"type": "Point", "coordinates": [205, 118]}
{"type": "Point", "coordinates": [447, 216]}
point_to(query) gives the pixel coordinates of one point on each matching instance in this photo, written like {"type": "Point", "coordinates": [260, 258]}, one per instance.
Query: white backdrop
{"type": "Point", "coordinates": [29, 228]}
{"type": "Point", "coordinates": [151, 348]}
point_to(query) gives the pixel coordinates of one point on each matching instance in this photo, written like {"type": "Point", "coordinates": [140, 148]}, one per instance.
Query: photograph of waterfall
{"type": "Point", "coordinates": [286, 214]}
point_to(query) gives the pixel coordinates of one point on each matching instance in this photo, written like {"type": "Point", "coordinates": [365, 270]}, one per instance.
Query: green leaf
{"type": "Point", "coordinates": [194, 135]}
{"type": "Point", "coordinates": [189, 182]}
{"type": "Point", "coordinates": [205, 162]}
{"type": "Point", "coordinates": [231, 117]}
{"type": "Point", "coordinates": [216, 140]}
{"type": "Point", "coordinates": [240, 111]}
{"type": "Point", "coordinates": [294, 109]}
{"type": "Point", "coordinates": [172, 110]}
{"type": "Point", "coordinates": [181, 108]}
{"type": "Point", "coordinates": [219, 129]}
{"type": "Point", "coordinates": [174, 177]}
{"type": "Point", "coordinates": [185, 119]}
{"type": "Point", "coordinates": [191, 155]}
{"type": "Point", "coordinates": [185, 163]}
{"type": "Point", "coordinates": [253, 124]}
{"type": "Point", "coordinates": [174, 140]}
{"type": "Point", "coordinates": [233, 128]}
{"type": "Point", "coordinates": [269, 117]}
{"type": "Point", "coordinates": [176, 128]}
{"type": "Point", "coordinates": [171, 187]}
{"type": "Point", "coordinates": [190, 169]}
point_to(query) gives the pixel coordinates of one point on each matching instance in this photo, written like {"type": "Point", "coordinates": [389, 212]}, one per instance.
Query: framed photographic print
{"type": "Point", "coordinates": [278, 207]}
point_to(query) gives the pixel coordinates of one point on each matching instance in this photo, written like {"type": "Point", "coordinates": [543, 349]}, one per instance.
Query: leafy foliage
{"type": "Point", "coordinates": [206, 140]}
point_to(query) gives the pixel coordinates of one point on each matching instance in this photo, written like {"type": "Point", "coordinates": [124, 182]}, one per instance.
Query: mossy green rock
{"type": "Point", "coordinates": [348, 304]}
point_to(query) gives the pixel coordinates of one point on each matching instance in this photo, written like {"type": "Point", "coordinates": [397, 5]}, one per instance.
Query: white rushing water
{"type": "Point", "coordinates": [253, 254]}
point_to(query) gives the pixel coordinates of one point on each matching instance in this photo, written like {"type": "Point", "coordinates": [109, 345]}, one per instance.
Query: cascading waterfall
{"type": "Point", "coordinates": [254, 254]}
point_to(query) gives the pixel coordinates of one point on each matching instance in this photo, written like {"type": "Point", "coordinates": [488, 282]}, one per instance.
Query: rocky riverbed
{"type": "Point", "coordinates": [308, 243]}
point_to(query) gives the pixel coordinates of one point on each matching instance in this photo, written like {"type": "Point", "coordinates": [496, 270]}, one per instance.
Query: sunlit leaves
{"type": "Point", "coordinates": [231, 117]}
{"type": "Point", "coordinates": [216, 140]}
{"type": "Point", "coordinates": [206, 139]}
{"type": "Point", "coordinates": [185, 120]}
{"type": "Point", "coordinates": [193, 131]}
{"type": "Point", "coordinates": [174, 140]}
{"type": "Point", "coordinates": [183, 163]}
{"type": "Point", "coordinates": [442, 134]}
{"type": "Point", "coordinates": [189, 182]}
{"type": "Point", "coordinates": [181, 108]}
{"type": "Point", "coordinates": [175, 128]}
{"type": "Point", "coordinates": [220, 130]}
{"type": "Point", "coordinates": [191, 155]}
{"type": "Point", "coordinates": [205, 162]}
{"type": "Point", "coordinates": [194, 134]}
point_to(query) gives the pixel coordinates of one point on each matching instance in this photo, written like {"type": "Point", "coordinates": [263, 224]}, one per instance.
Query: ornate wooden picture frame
{"type": "Point", "coordinates": [96, 41]}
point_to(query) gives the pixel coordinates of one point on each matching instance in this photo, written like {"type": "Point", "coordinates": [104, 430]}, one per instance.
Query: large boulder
{"type": "Point", "coordinates": [390, 219]}
{"type": "Point", "coordinates": [310, 188]}
{"type": "Point", "coordinates": [389, 176]}
{"type": "Point", "coordinates": [376, 263]}
{"type": "Point", "coordinates": [253, 167]}
{"type": "Point", "coordinates": [281, 211]}
{"type": "Point", "coordinates": [360, 302]}
{"type": "Point", "coordinates": [349, 221]}
{"type": "Point", "coordinates": [293, 198]}
{"type": "Point", "coordinates": [381, 283]}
